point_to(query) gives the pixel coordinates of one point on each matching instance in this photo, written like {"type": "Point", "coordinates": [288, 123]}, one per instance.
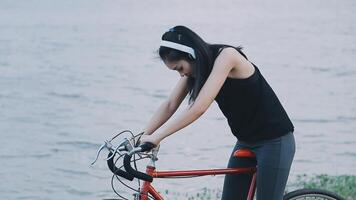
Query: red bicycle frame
{"type": "Point", "coordinates": [147, 188]}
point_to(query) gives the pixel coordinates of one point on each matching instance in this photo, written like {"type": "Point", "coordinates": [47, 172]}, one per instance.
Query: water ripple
{"type": "Point", "coordinates": [40, 155]}
{"type": "Point", "coordinates": [337, 119]}
{"type": "Point", "coordinates": [66, 96]}
{"type": "Point", "coordinates": [73, 172]}
{"type": "Point", "coordinates": [80, 144]}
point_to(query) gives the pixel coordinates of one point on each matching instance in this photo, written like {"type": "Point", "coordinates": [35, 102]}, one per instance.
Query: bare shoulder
{"type": "Point", "coordinates": [231, 53]}
{"type": "Point", "coordinates": [240, 66]}
{"type": "Point", "coordinates": [228, 57]}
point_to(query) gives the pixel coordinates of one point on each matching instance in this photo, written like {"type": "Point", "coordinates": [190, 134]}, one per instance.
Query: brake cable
{"type": "Point", "coordinates": [141, 157]}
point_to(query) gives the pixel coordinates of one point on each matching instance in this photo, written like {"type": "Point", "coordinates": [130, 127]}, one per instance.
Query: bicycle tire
{"type": "Point", "coordinates": [315, 194]}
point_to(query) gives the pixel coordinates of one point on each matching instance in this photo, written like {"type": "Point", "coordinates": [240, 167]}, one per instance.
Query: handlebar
{"type": "Point", "coordinates": [147, 146]}
{"type": "Point", "coordinates": [117, 171]}
{"type": "Point", "coordinates": [125, 145]}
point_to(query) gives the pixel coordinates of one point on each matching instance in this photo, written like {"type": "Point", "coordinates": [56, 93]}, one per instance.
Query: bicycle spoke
{"type": "Point", "coordinates": [312, 194]}
{"type": "Point", "coordinates": [313, 198]}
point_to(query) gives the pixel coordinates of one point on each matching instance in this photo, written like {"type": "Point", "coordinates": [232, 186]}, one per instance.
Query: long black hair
{"type": "Point", "coordinates": [203, 62]}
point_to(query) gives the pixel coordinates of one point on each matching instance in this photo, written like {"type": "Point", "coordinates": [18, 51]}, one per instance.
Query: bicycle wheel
{"type": "Point", "coordinates": [311, 194]}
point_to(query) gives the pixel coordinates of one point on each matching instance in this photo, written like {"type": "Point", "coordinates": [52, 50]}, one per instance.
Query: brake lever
{"type": "Point", "coordinates": [107, 145]}
{"type": "Point", "coordinates": [124, 145]}
{"type": "Point", "coordinates": [115, 151]}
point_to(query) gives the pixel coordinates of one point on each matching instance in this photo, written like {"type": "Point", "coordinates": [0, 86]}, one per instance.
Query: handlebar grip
{"type": "Point", "coordinates": [147, 146]}
{"type": "Point", "coordinates": [133, 172]}
{"type": "Point", "coordinates": [116, 170]}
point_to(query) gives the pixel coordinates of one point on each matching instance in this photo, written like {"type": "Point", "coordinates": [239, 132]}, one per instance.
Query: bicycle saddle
{"type": "Point", "coordinates": [244, 153]}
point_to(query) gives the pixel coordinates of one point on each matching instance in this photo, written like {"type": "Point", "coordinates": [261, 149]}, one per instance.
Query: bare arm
{"type": "Point", "coordinates": [168, 107]}
{"type": "Point", "coordinates": [222, 66]}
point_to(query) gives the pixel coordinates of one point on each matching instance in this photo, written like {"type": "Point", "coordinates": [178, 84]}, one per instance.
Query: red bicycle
{"type": "Point", "coordinates": [128, 148]}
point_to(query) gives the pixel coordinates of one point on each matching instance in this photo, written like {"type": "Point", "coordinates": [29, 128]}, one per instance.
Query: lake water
{"type": "Point", "coordinates": [72, 73]}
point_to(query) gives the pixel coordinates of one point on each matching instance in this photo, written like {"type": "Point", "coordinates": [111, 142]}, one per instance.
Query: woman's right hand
{"type": "Point", "coordinates": [150, 138]}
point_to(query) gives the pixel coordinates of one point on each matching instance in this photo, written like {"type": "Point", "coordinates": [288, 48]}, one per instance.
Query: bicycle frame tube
{"type": "Point", "coordinates": [147, 188]}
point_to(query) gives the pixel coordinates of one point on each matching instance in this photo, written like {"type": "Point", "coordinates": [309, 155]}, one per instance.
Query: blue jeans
{"type": "Point", "coordinates": [273, 158]}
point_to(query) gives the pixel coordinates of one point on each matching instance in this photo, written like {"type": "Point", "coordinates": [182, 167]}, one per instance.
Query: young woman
{"type": "Point", "coordinates": [222, 73]}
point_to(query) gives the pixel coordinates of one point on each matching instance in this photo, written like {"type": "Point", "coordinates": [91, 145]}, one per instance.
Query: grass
{"type": "Point", "coordinates": [344, 186]}
{"type": "Point", "coordinates": [203, 194]}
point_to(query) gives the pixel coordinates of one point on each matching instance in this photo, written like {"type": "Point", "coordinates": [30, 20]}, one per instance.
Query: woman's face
{"type": "Point", "coordinates": [183, 67]}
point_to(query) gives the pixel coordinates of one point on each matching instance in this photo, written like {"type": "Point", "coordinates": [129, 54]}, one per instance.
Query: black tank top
{"type": "Point", "coordinates": [252, 109]}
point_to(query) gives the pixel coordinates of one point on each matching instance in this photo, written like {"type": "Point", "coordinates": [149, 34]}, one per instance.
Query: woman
{"type": "Point", "coordinates": [255, 115]}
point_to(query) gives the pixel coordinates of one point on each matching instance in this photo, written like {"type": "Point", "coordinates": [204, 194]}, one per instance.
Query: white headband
{"type": "Point", "coordinates": [179, 47]}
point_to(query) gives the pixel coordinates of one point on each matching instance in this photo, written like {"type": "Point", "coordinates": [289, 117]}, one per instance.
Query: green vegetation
{"type": "Point", "coordinates": [203, 194]}
{"type": "Point", "coordinates": [344, 186]}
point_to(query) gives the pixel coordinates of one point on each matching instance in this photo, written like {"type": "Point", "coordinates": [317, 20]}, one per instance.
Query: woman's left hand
{"type": "Point", "coordinates": [150, 138]}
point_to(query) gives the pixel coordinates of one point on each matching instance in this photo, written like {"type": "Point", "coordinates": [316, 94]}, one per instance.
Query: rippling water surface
{"type": "Point", "coordinates": [74, 72]}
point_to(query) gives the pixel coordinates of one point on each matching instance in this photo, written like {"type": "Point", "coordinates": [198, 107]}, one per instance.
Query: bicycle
{"type": "Point", "coordinates": [131, 148]}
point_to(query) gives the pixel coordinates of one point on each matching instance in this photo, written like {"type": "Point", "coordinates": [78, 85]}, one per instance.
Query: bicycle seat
{"type": "Point", "coordinates": [244, 153]}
